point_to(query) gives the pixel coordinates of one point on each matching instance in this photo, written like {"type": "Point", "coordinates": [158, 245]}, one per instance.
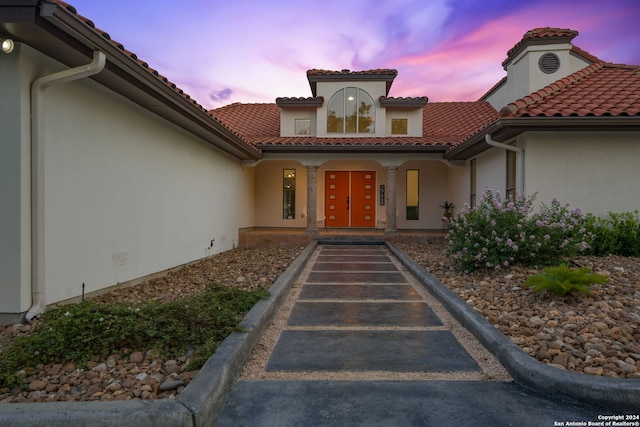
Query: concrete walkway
{"type": "Point", "coordinates": [363, 345]}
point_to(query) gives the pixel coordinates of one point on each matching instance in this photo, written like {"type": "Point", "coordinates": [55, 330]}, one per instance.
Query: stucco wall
{"type": "Point", "coordinates": [595, 171]}
{"type": "Point", "coordinates": [246, 193]}
{"type": "Point", "coordinates": [491, 171]}
{"type": "Point", "coordinates": [524, 75]}
{"type": "Point", "coordinates": [288, 118]}
{"type": "Point", "coordinates": [269, 194]}
{"type": "Point", "coordinates": [413, 116]}
{"type": "Point", "coordinates": [15, 254]}
{"type": "Point", "coordinates": [459, 186]}
{"type": "Point", "coordinates": [127, 193]}
{"type": "Point", "coordinates": [433, 191]}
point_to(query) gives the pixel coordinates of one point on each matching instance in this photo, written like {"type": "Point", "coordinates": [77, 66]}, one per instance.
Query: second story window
{"type": "Point", "coordinates": [303, 127]}
{"type": "Point", "coordinates": [351, 110]}
{"type": "Point", "coordinates": [399, 127]}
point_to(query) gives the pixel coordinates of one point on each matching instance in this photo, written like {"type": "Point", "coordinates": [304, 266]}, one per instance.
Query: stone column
{"type": "Point", "coordinates": [391, 201]}
{"type": "Point", "coordinates": [312, 200]}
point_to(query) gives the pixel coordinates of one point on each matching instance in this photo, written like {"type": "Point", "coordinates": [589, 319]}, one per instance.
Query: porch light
{"type": "Point", "coordinates": [7, 45]}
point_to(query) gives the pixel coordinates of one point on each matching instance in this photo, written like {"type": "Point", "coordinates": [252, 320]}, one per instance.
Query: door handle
{"type": "Point", "coordinates": [347, 203]}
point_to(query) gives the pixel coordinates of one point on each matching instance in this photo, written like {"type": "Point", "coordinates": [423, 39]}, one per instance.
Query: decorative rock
{"type": "Point", "coordinates": [113, 387]}
{"type": "Point", "coordinates": [128, 383]}
{"type": "Point", "coordinates": [171, 384]}
{"type": "Point", "coordinates": [597, 370]}
{"type": "Point", "coordinates": [100, 367]}
{"type": "Point", "coordinates": [173, 369]}
{"type": "Point", "coordinates": [54, 370]}
{"type": "Point", "coordinates": [536, 321]}
{"type": "Point", "coordinates": [37, 385]}
{"type": "Point", "coordinates": [561, 359]}
{"type": "Point", "coordinates": [616, 333]}
{"type": "Point", "coordinates": [136, 357]}
{"type": "Point", "coordinates": [142, 376]}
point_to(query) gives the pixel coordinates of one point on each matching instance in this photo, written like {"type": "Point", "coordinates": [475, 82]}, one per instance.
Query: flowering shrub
{"type": "Point", "coordinates": [501, 232]}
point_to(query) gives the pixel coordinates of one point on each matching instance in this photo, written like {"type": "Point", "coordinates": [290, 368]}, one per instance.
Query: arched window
{"type": "Point", "coordinates": [351, 110]}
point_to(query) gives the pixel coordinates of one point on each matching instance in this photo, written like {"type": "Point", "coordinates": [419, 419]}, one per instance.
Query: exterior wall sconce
{"type": "Point", "coordinates": [7, 45]}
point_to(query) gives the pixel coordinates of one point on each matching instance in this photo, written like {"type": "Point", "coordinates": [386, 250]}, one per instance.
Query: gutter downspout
{"type": "Point", "coordinates": [520, 151]}
{"type": "Point", "coordinates": [38, 87]}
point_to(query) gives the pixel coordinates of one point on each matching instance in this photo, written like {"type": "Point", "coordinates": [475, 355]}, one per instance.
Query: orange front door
{"type": "Point", "coordinates": [350, 198]}
{"type": "Point", "coordinates": [336, 198]}
{"type": "Point", "coordinates": [363, 199]}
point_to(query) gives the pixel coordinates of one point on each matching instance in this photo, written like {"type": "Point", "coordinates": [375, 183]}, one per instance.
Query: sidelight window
{"type": "Point", "coordinates": [412, 194]}
{"type": "Point", "coordinates": [289, 194]}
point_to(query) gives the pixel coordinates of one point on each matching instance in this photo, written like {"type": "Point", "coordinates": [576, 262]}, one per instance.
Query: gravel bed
{"type": "Point", "coordinates": [143, 374]}
{"type": "Point", "coordinates": [596, 333]}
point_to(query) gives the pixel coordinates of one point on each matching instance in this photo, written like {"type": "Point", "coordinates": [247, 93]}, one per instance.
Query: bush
{"type": "Point", "coordinates": [78, 332]}
{"type": "Point", "coordinates": [619, 234]}
{"type": "Point", "coordinates": [502, 232]}
{"type": "Point", "coordinates": [562, 279]}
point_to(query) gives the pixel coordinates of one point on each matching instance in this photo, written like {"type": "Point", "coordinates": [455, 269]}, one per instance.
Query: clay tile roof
{"type": "Point", "coordinates": [250, 120]}
{"type": "Point", "coordinates": [315, 101]}
{"type": "Point", "coordinates": [597, 90]}
{"type": "Point", "coordinates": [457, 120]}
{"type": "Point", "coordinates": [381, 74]}
{"type": "Point", "coordinates": [445, 124]}
{"type": "Point", "coordinates": [376, 72]}
{"type": "Point", "coordinates": [415, 102]}
{"type": "Point", "coordinates": [546, 35]}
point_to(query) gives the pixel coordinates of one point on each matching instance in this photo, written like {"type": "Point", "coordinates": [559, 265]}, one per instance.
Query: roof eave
{"type": "Point", "coordinates": [314, 102]}
{"type": "Point", "coordinates": [504, 129]}
{"type": "Point", "coordinates": [354, 148]}
{"type": "Point", "coordinates": [403, 102]}
{"type": "Point", "coordinates": [130, 78]}
{"type": "Point", "coordinates": [354, 77]}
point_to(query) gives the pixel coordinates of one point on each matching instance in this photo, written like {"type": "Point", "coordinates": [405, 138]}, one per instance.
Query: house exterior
{"type": "Point", "coordinates": [110, 173]}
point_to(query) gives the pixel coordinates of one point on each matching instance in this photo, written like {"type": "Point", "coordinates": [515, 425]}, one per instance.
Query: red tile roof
{"type": "Point", "coordinates": [377, 72]}
{"type": "Point", "coordinates": [597, 90]}
{"type": "Point", "coordinates": [544, 35]}
{"type": "Point", "coordinates": [414, 102]}
{"type": "Point", "coordinates": [250, 120]}
{"type": "Point", "coordinates": [382, 74]}
{"type": "Point", "coordinates": [445, 124]}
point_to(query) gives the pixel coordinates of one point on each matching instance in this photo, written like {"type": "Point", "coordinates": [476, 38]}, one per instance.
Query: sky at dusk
{"type": "Point", "coordinates": [220, 52]}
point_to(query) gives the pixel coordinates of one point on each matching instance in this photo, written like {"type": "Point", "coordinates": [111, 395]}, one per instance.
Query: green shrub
{"type": "Point", "coordinates": [562, 279]}
{"type": "Point", "coordinates": [78, 332]}
{"type": "Point", "coordinates": [617, 234]}
{"type": "Point", "coordinates": [502, 232]}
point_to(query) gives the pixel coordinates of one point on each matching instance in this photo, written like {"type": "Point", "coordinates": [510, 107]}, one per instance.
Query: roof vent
{"type": "Point", "coordinates": [549, 63]}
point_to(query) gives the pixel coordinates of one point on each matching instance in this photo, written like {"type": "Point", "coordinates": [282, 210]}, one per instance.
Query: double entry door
{"type": "Point", "coordinates": [350, 198]}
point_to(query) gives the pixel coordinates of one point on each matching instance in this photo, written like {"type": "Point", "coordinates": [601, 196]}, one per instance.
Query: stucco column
{"type": "Point", "coordinates": [312, 200]}
{"type": "Point", "coordinates": [391, 200]}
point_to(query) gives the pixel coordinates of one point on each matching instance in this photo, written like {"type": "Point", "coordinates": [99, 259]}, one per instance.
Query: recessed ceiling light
{"type": "Point", "coordinates": [7, 45]}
